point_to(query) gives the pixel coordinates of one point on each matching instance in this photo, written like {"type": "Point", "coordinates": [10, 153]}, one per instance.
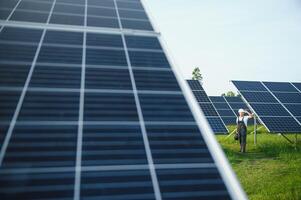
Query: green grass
{"type": "Point", "coordinates": [269, 170]}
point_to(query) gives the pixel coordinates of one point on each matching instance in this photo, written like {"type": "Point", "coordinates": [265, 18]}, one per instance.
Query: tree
{"type": "Point", "coordinates": [228, 94]}
{"type": "Point", "coordinates": [196, 74]}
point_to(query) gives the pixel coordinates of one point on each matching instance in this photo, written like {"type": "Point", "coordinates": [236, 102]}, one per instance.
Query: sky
{"type": "Point", "coordinates": [231, 40]}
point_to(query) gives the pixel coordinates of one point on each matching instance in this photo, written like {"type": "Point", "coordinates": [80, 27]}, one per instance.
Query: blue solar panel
{"type": "Point", "coordinates": [13, 74]}
{"type": "Point", "coordinates": [249, 86]}
{"type": "Point", "coordinates": [217, 125]}
{"type": "Point", "coordinates": [229, 120]}
{"type": "Point", "coordinates": [281, 87]}
{"type": "Point", "coordinates": [234, 99]}
{"type": "Point", "coordinates": [281, 124]}
{"type": "Point", "coordinates": [217, 99]}
{"type": "Point", "coordinates": [295, 109]}
{"type": "Point", "coordinates": [201, 96]}
{"type": "Point", "coordinates": [269, 109]}
{"type": "Point", "coordinates": [289, 97]}
{"type": "Point", "coordinates": [223, 106]}
{"type": "Point", "coordinates": [236, 106]}
{"type": "Point", "coordinates": [276, 107]}
{"type": "Point", "coordinates": [92, 110]}
{"type": "Point", "coordinates": [298, 86]}
{"type": "Point", "coordinates": [207, 107]}
{"type": "Point", "coordinates": [264, 97]}
{"type": "Point", "coordinates": [195, 85]}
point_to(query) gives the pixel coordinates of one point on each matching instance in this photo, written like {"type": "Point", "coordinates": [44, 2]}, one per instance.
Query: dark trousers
{"type": "Point", "coordinates": [242, 139]}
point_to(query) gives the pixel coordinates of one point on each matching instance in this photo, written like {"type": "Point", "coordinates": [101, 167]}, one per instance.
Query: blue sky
{"type": "Point", "coordinates": [233, 39]}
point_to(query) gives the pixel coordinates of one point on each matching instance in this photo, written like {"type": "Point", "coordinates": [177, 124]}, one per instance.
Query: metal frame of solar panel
{"type": "Point", "coordinates": [277, 104]}
{"type": "Point", "coordinates": [90, 108]}
{"type": "Point", "coordinates": [207, 107]}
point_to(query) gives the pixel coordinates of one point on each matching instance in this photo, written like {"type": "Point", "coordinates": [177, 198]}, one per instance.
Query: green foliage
{"type": "Point", "coordinates": [196, 74]}
{"type": "Point", "coordinates": [268, 171]}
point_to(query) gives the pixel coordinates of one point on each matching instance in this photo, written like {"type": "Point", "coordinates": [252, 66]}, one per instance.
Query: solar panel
{"type": "Point", "coordinates": [90, 108]}
{"type": "Point", "coordinates": [207, 107]}
{"type": "Point", "coordinates": [277, 106]}
{"type": "Point", "coordinates": [227, 108]}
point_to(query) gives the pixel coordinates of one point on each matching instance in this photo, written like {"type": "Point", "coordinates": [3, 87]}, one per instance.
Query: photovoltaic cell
{"type": "Point", "coordinates": [136, 24]}
{"type": "Point", "coordinates": [8, 103]}
{"type": "Point", "coordinates": [13, 75]}
{"type": "Point", "coordinates": [133, 184]}
{"type": "Point", "coordinates": [177, 144]}
{"type": "Point", "coordinates": [148, 59]}
{"type": "Point", "coordinates": [20, 35]}
{"type": "Point", "coordinates": [50, 106]}
{"type": "Point", "coordinates": [105, 57]}
{"type": "Point", "coordinates": [56, 77]}
{"type": "Point", "coordinates": [41, 146]}
{"type": "Point", "coordinates": [194, 184]}
{"type": "Point", "coordinates": [19, 53]}
{"type": "Point", "coordinates": [103, 22]}
{"type": "Point", "coordinates": [58, 54]}
{"type": "Point", "coordinates": [113, 145]}
{"type": "Point", "coordinates": [105, 78]}
{"type": "Point", "coordinates": [104, 40]}
{"type": "Point", "coordinates": [29, 16]}
{"type": "Point", "coordinates": [110, 107]}
{"type": "Point", "coordinates": [142, 42]}
{"type": "Point", "coordinates": [63, 37]}
{"type": "Point", "coordinates": [155, 80]}
{"type": "Point", "coordinates": [164, 107]}
{"type": "Point", "coordinates": [66, 19]}
{"type": "Point", "coordinates": [31, 185]}
{"type": "Point", "coordinates": [217, 125]}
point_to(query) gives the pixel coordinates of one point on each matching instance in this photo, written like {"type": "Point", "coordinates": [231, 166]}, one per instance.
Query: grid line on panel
{"type": "Point", "coordinates": [78, 167]}
{"type": "Point", "coordinates": [22, 96]}
{"type": "Point", "coordinates": [152, 170]}
{"type": "Point", "coordinates": [66, 27]}
{"type": "Point", "coordinates": [281, 104]}
{"type": "Point", "coordinates": [108, 168]}
{"type": "Point", "coordinates": [11, 13]}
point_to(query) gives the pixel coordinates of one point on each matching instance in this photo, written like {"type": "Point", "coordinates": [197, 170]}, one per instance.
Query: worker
{"type": "Point", "coordinates": [242, 124]}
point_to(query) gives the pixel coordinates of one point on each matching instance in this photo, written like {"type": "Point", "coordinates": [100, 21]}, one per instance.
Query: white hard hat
{"type": "Point", "coordinates": [241, 110]}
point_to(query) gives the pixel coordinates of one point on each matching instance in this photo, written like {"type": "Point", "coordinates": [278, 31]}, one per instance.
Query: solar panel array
{"type": "Point", "coordinates": [90, 109]}
{"type": "Point", "coordinates": [207, 107]}
{"type": "Point", "coordinates": [277, 104]}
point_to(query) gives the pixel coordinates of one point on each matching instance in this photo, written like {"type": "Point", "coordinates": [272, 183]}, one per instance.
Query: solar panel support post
{"type": "Point", "coordinates": [255, 130]}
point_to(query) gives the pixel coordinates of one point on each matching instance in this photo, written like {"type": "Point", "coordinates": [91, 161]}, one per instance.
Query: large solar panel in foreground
{"type": "Point", "coordinates": [207, 107]}
{"type": "Point", "coordinates": [277, 104]}
{"type": "Point", "coordinates": [90, 108]}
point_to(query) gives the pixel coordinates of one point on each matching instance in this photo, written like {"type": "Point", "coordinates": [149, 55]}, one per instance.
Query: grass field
{"type": "Point", "coordinates": [269, 170]}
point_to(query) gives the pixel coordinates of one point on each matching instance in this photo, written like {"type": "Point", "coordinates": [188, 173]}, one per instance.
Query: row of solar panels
{"type": "Point", "coordinates": [277, 104]}
{"type": "Point", "coordinates": [72, 12]}
{"type": "Point", "coordinates": [219, 111]}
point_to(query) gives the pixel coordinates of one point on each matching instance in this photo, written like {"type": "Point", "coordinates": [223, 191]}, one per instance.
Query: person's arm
{"type": "Point", "coordinates": [250, 115]}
